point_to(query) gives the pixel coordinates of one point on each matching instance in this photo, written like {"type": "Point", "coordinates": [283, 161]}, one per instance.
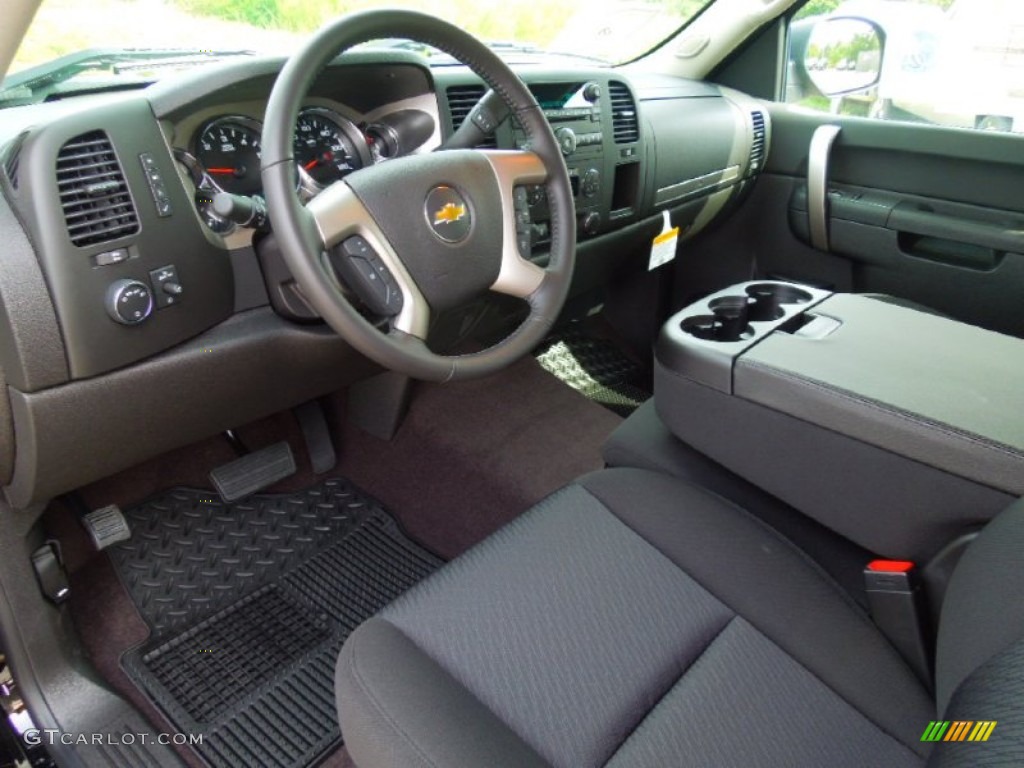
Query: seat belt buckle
{"type": "Point", "coordinates": [897, 608]}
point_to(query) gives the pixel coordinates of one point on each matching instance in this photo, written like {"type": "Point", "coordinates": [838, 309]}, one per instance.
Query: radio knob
{"type": "Point", "coordinates": [592, 92]}
{"type": "Point", "coordinates": [129, 302]}
{"type": "Point", "coordinates": [566, 139]}
{"type": "Point", "coordinates": [590, 183]}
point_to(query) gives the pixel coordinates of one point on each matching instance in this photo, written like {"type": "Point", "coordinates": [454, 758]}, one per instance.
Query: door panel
{"type": "Point", "coordinates": [930, 214]}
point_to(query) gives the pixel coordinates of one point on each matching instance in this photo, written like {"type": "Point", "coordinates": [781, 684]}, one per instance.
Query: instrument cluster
{"type": "Point", "coordinates": [224, 156]}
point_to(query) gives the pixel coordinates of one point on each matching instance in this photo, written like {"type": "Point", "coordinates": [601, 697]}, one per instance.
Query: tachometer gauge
{"type": "Point", "coordinates": [229, 150]}
{"type": "Point", "coordinates": [328, 147]}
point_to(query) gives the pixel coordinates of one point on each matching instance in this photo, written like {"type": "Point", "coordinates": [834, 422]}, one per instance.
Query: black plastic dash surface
{"type": "Point", "coordinates": [249, 604]}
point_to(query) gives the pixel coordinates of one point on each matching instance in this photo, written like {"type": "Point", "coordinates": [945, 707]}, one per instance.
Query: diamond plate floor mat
{"type": "Point", "coordinates": [249, 604]}
{"type": "Point", "coordinates": [595, 368]}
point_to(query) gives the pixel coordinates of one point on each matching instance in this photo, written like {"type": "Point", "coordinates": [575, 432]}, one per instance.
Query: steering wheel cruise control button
{"type": "Point", "coordinates": [524, 224]}
{"type": "Point", "coordinates": [364, 272]}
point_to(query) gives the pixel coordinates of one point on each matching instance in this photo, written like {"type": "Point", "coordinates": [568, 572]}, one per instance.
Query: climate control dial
{"type": "Point", "coordinates": [129, 302]}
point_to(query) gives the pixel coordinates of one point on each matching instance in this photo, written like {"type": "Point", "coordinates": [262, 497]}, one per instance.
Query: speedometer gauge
{"type": "Point", "coordinates": [229, 150]}
{"type": "Point", "coordinates": [328, 147]}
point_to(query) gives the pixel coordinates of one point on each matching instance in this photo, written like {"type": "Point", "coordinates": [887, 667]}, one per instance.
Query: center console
{"type": "Point", "coordinates": [596, 124]}
{"type": "Point", "coordinates": [897, 428]}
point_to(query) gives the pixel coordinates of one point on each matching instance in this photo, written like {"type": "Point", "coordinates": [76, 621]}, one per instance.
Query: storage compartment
{"type": "Point", "coordinates": [898, 429]}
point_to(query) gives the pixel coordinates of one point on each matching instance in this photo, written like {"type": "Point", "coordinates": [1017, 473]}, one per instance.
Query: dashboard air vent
{"type": "Point", "coordinates": [11, 168]}
{"type": "Point", "coordinates": [625, 126]}
{"type": "Point", "coordinates": [93, 192]}
{"type": "Point", "coordinates": [11, 157]}
{"type": "Point", "coordinates": [461, 100]}
{"type": "Point", "coordinates": [757, 146]}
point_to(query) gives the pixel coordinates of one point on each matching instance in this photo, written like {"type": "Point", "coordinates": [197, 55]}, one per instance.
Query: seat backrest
{"type": "Point", "coordinates": [979, 667]}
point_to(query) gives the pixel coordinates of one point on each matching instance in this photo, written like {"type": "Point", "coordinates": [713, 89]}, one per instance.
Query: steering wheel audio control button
{"type": "Point", "coordinates": [363, 271]}
{"type": "Point", "coordinates": [129, 302]}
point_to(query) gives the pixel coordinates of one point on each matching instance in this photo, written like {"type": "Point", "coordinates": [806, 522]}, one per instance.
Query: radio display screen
{"type": "Point", "coordinates": [559, 95]}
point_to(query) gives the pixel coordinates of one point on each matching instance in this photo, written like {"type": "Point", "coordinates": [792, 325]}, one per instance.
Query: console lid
{"type": "Point", "coordinates": [938, 391]}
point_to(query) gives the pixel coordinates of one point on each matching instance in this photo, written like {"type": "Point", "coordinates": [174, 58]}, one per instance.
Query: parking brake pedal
{"type": "Point", "coordinates": [49, 567]}
{"type": "Point", "coordinates": [253, 472]}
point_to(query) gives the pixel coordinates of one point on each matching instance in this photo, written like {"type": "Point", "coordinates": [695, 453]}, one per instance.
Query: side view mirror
{"type": "Point", "coordinates": [844, 55]}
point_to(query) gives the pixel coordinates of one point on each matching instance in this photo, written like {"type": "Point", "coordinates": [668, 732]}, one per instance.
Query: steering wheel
{"type": "Point", "coordinates": [433, 230]}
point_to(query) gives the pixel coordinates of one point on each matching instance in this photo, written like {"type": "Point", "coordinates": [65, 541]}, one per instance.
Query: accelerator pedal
{"type": "Point", "coordinates": [317, 435]}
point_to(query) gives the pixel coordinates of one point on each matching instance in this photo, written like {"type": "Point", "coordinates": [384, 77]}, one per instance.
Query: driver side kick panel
{"type": "Point", "coordinates": [923, 213]}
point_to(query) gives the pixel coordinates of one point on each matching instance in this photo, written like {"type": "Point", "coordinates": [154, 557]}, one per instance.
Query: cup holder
{"type": "Point", "coordinates": [732, 315]}
{"type": "Point", "coordinates": [767, 300]}
{"type": "Point", "coordinates": [730, 321]}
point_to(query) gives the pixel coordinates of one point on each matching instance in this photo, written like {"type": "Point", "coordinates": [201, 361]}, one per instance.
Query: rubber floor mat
{"type": "Point", "coordinates": [595, 368]}
{"type": "Point", "coordinates": [249, 604]}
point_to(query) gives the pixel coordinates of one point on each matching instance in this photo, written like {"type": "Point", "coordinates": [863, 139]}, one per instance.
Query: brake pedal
{"type": "Point", "coordinates": [253, 472]}
{"type": "Point", "coordinates": [106, 526]}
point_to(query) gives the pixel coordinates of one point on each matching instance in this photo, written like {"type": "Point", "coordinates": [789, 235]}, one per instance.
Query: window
{"type": "Point", "coordinates": [957, 63]}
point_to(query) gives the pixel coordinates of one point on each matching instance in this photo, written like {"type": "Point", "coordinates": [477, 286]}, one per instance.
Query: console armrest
{"type": "Point", "coordinates": [934, 390]}
{"type": "Point", "coordinates": [896, 428]}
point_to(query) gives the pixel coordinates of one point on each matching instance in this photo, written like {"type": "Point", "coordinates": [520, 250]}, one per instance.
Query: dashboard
{"type": "Point", "coordinates": [134, 284]}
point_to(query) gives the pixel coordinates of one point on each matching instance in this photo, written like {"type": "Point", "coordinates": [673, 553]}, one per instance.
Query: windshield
{"type": "Point", "coordinates": [606, 32]}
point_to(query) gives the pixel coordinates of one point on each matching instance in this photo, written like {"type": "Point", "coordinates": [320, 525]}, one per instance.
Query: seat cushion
{"type": "Point", "coordinates": [644, 442]}
{"type": "Point", "coordinates": [630, 619]}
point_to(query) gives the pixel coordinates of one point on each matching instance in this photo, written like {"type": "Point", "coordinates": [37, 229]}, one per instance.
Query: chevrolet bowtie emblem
{"type": "Point", "coordinates": [449, 213]}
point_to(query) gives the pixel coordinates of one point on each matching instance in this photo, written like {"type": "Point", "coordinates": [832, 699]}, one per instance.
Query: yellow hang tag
{"type": "Point", "coordinates": [663, 248]}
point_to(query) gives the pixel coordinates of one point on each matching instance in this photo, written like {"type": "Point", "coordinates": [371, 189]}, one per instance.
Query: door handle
{"type": "Point", "coordinates": [817, 183]}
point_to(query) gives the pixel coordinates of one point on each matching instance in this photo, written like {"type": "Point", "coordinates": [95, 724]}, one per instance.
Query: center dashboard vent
{"type": "Point", "coordinates": [461, 100]}
{"type": "Point", "coordinates": [625, 126]}
{"type": "Point", "coordinates": [758, 144]}
{"type": "Point", "coordinates": [93, 192]}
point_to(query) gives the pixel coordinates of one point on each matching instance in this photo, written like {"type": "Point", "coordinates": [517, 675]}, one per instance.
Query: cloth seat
{"type": "Point", "coordinates": [634, 619]}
